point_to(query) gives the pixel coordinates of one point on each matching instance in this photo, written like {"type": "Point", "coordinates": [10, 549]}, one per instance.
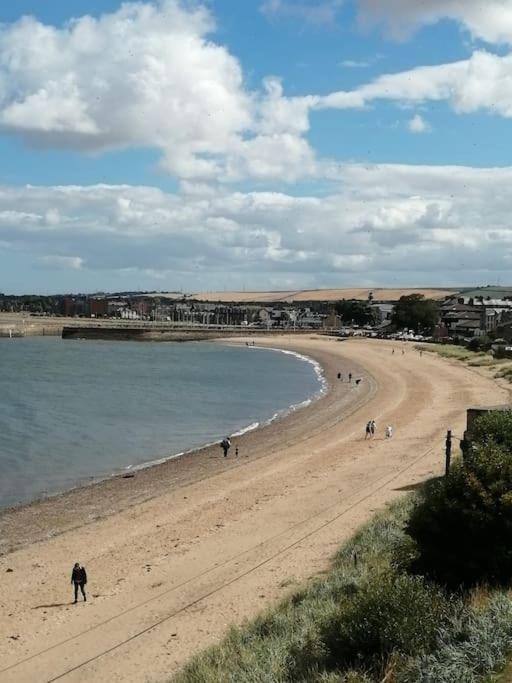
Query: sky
{"type": "Point", "coordinates": [192, 145]}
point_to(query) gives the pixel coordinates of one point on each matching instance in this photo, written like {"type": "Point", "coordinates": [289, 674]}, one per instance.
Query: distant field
{"type": "Point", "coordinates": [380, 294]}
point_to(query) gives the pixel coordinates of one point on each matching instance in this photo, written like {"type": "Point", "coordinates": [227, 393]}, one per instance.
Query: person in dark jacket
{"type": "Point", "coordinates": [225, 445]}
{"type": "Point", "coordinates": [79, 578]}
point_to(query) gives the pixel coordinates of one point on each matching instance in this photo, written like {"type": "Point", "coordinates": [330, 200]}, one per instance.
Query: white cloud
{"type": "Point", "coordinates": [481, 82]}
{"type": "Point", "coordinates": [386, 224]}
{"type": "Point", "coordinates": [172, 88]}
{"type": "Point", "coordinates": [315, 12]}
{"type": "Point", "coordinates": [53, 262]}
{"type": "Point", "coordinates": [490, 21]}
{"type": "Point", "coordinates": [361, 63]}
{"type": "Point", "coordinates": [418, 124]}
{"type": "Point", "coordinates": [147, 75]}
{"type": "Point", "coordinates": [355, 64]}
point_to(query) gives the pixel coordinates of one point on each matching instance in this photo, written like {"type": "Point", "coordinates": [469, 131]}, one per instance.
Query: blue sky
{"type": "Point", "coordinates": [256, 144]}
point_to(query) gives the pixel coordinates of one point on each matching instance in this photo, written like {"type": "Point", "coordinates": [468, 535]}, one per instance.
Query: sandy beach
{"type": "Point", "coordinates": [181, 551]}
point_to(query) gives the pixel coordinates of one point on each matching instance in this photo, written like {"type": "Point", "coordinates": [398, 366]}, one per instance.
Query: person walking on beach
{"type": "Point", "coordinates": [225, 445]}
{"type": "Point", "coordinates": [389, 432]}
{"type": "Point", "coordinates": [393, 352]}
{"type": "Point", "coordinates": [79, 579]}
{"type": "Point", "coordinates": [373, 427]}
{"type": "Point", "coordinates": [368, 434]}
{"type": "Point", "coordinates": [350, 377]}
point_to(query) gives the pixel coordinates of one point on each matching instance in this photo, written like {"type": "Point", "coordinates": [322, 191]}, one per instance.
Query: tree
{"type": "Point", "coordinates": [414, 312]}
{"type": "Point", "coordinates": [356, 312]}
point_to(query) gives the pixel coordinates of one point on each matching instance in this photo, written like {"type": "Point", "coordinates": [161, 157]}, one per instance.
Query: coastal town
{"type": "Point", "coordinates": [480, 313]}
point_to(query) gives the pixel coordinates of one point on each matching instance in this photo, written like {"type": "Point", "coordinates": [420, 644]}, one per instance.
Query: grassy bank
{"type": "Point", "coordinates": [368, 619]}
{"type": "Point", "coordinates": [482, 359]}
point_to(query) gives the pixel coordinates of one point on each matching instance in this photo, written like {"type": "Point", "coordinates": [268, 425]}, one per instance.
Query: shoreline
{"type": "Point", "coordinates": [137, 466]}
{"type": "Point", "coordinates": [186, 549]}
{"type": "Point", "coordinates": [20, 524]}
{"type": "Point", "coordinates": [278, 416]}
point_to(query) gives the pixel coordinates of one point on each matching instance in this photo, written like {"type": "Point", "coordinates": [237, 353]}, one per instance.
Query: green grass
{"type": "Point", "coordinates": [366, 620]}
{"type": "Point", "coordinates": [472, 358]}
{"type": "Point", "coordinates": [506, 372]}
{"type": "Point", "coordinates": [454, 352]}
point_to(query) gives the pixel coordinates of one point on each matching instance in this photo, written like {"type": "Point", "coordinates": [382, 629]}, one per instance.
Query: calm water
{"type": "Point", "coordinates": [72, 410]}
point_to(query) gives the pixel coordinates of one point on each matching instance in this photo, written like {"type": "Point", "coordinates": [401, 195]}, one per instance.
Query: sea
{"type": "Point", "coordinates": [74, 411]}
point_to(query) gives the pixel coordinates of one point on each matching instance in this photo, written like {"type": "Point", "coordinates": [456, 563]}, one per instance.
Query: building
{"type": "Point", "coordinates": [382, 312]}
{"type": "Point", "coordinates": [73, 306]}
{"type": "Point", "coordinates": [461, 320]}
{"type": "Point", "coordinates": [98, 308]}
{"type": "Point", "coordinates": [463, 316]}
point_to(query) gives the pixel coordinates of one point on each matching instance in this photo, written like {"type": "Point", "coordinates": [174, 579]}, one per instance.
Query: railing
{"type": "Point", "coordinates": [183, 326]}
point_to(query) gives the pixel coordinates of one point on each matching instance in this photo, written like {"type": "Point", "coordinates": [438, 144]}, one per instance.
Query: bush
{"type": "Point", "coordinates": [484, 642]}
{"type": "Point", "coordinates": [390, 614]}
{"type": "Point", "coordinates": [495, 427]}
{"type": "Point", "coordinates": [483, 343]}
{"type": "Point", "coordinates": [462, 524]}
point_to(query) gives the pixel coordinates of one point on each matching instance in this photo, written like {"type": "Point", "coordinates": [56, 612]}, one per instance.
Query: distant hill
{"type": "Point", "coordinates": [379, 294]}
{"type": "Point", "coordinates": [488, 292]}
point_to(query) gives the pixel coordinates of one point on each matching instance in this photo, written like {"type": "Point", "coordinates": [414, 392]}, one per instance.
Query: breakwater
{"type": "Point", "coordinates": [142, 334]}
{"type": "Point", "coordinates": [164, 333]}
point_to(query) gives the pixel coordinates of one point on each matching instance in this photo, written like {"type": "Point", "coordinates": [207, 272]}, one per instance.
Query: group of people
{"type": "Point", "coordinates": [350, 376]}
{"type": "Point", "coordinates": [371, 430]}
{"type": "Point", "coordinates": [403, 352]}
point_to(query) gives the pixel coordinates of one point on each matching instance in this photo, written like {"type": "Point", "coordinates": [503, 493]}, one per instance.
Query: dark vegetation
{"type": "Point", "coordinates": [414, 312]}
{"type": "Point", "coordinates": [353, 312]}
{"type": "Point", "coordinates": [482, 343]}
{"type": "Point", "coordinates": [463, 526]}
{"type": "Point", "coordinates": [426, 600]}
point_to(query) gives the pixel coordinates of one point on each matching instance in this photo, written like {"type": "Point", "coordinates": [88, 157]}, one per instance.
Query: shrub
{"type": "Point", "coordinates": [483, 645]}
{"type": "Point", "coordinates": [483, 343]}
{"type": "Point", "coordinates": [495, 427]}
{"type": "Point", "coordinates": [389, 614]}
{"type": "Point", "coordinates": [461, 524]}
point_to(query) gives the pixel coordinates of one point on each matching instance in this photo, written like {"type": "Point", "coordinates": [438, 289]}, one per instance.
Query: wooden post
{"type": "Point", "coordinates": [448, 451]}
{"type": "Point", "coordinates": [464, 447]}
